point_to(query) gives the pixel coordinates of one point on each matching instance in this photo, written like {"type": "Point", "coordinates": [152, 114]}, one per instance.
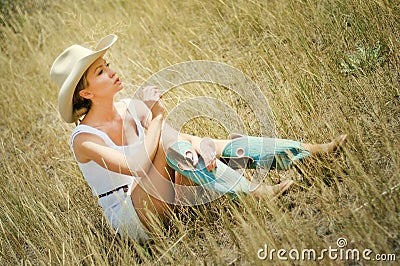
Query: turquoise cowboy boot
{"type": "Point", "coordinates": [260, 152]}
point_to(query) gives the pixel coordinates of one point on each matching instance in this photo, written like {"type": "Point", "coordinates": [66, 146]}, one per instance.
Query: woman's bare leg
{"type": "Point", "coordinates": [215, 146]}
{"type": "Point", "coordinates": [314, 149]}
{"type": "Point", "coordinates": [152, 197]}
{"type": "Point", "coordinates": [262, 191]}
{"type": "Point", "coordinates": [265, 191]}
{"type": "Point", "coordinates": [332, 146]}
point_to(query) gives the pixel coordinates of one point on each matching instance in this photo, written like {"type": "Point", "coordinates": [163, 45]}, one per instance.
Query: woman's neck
{"type": "Point", "coordinates": [101, 112]}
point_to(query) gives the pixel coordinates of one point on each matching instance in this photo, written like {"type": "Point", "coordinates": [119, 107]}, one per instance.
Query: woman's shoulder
{"type": "Point", "coordinates": [84, 132]}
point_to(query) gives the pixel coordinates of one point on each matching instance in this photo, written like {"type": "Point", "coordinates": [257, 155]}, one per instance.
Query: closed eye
{"type": "Point", "coordinates": [101, 68]}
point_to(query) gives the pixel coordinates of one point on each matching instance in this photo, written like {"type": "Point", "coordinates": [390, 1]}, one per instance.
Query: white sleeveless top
{"type": "Point", "coordinates": [100, 179]}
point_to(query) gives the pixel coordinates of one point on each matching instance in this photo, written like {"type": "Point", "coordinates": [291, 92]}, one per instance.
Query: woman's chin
{"type": "Point", "coordinates": [119, 87]}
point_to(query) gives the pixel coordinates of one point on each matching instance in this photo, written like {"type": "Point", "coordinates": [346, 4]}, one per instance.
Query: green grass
{"type": "Point", "coordinates": [326, 67]}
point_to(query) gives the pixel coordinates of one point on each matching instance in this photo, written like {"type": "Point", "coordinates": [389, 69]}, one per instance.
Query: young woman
{"type": "Point", "coordinates": [136, 164]}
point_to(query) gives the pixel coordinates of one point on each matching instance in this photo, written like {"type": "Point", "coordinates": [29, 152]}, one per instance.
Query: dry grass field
{"type": "Point", "coordinates": [326, 67]}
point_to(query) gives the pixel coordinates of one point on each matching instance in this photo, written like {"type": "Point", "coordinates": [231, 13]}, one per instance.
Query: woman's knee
{"type": "Point", "coordinates": [149, 207]}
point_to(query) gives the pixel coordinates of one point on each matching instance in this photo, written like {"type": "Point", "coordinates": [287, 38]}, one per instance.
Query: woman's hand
{"type": "Point", "coordinates": [205, 147]}
{"type": "Point", "coordinates": [151, 97]}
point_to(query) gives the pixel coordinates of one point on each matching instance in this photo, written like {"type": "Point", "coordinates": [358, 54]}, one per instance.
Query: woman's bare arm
{"type": "Point", "coordinates": [140, 159]}
{"type": "Point", "coordinates": [89, 147]}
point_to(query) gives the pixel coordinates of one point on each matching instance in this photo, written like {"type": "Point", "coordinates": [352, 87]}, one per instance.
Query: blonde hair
{"type": "Point", "coordinates": [80, 105]}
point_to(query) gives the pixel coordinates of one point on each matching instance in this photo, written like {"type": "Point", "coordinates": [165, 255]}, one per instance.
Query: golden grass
{"type": "Point", "coordinates": [326, 67]}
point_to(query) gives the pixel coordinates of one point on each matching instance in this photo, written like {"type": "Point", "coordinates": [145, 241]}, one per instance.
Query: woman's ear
{"type": "Point", "coordinates": [86, 94]}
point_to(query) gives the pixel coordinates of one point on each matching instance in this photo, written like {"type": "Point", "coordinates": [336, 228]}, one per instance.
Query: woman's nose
{"type": "Point", "coordinates": [111, 72]}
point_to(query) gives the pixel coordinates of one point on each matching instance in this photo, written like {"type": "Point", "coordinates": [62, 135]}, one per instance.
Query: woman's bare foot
{"type": "Point", "coordinates": [272, 191]}
{"type": "Point", "coordinates": [336, 143]}
{"type": "Point", "coordinates": [326, 147]}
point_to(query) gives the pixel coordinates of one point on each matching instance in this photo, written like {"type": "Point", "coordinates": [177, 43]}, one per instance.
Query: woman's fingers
{"type": "Point", "coordinates": [151, 97]}
{"type": "Point", "coordinates": [208, 152]}
{"type": "Point", "coordinates": [206, 149]}
{"type": "Point", "coordinates": [210, 159]}
{"type": "Point", "coordinates": [212, 164]}
{"type": "Point", "coordinates": [151, 93]}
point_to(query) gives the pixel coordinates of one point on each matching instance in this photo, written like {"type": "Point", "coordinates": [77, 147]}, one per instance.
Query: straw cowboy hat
{"type": "Point", "coordinates": [68, 69]}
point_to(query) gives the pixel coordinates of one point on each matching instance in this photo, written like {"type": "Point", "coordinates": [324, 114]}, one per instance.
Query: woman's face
{"type": "Point", "coordinates": [102, 80]}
